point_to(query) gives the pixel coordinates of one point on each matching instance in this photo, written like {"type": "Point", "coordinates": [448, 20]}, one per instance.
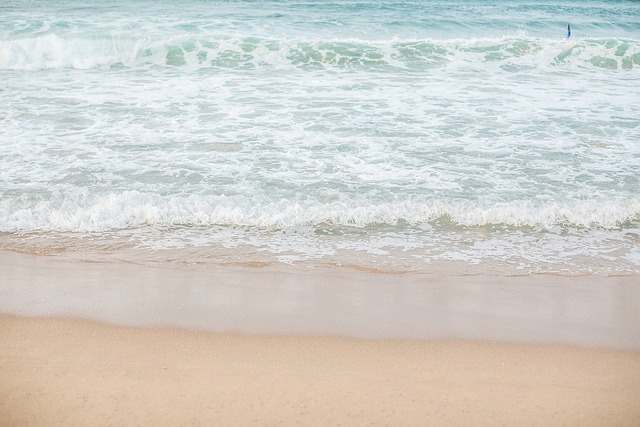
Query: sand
{"type": "Point", "coordinates": [75, 372]}
{"type": "Point", "coordinates": [583, 310]}
{"type": "Point", "coordinates": [115, 343]}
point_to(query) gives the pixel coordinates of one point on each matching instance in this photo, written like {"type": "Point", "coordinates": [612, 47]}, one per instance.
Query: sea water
{"type": "Point", "coordinates": [383, 134]}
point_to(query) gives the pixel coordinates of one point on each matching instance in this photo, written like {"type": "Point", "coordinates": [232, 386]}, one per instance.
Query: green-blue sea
{"type": "Point", "coordinates": [392, 135]}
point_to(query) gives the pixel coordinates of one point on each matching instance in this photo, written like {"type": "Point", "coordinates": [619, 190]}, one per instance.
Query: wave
{"type": "Point", "coordinates": [133, 209]}
{"type": "Point", "coordinates": [510, 53]}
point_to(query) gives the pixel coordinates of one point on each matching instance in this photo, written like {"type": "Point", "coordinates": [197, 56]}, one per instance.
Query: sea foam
{"type": "Point", "coordinates": [405, 132]}
{"type": "Point", "coordinates": [132, 209]}
{"type": "Point", "coordinates": [85, 52]}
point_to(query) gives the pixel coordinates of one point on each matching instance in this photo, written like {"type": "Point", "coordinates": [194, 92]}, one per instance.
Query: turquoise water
{"type": "Point", "coordinates": [387, 134]}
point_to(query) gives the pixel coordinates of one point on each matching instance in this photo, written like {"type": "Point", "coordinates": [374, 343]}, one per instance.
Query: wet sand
{"type": "Point", "coordinates": [289, 300]}
{"type": "Point", "coordinates": [273, 346]}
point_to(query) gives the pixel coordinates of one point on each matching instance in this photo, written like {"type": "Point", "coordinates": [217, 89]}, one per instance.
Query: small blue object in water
{"type": "Point", "coordinates": [568, 31]}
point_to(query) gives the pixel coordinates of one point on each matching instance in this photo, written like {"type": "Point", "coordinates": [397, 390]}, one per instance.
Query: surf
{"type": "Point", "coordinates": [108, 51]}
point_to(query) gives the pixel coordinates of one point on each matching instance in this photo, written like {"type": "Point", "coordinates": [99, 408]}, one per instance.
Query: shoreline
{"type": "Point", "coordinates": [115, 343]}
{"type": "Point", "coordinates": [585, 310]}
{"type": "Point", "coordinates": [61, 371]}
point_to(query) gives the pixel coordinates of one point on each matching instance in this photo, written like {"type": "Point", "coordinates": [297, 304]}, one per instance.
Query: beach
{"type": "Point", "coordinates": [110, 344]}
{"type": "Point", "coordinates": [319, 212]}
{"type": "Point", "coordinates": [74, 372]}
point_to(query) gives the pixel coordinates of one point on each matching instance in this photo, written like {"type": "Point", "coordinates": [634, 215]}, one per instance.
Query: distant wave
{"type": "Point", "coordinates": [132, 209]}
{"type": "Point", "coordinates": [510, 53]}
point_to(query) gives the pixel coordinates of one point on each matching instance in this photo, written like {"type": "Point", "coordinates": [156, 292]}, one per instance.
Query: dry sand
{"type": "Point", "coordinates": [242, 346]}
{"type": "Point", "coordinates": [75, 372]}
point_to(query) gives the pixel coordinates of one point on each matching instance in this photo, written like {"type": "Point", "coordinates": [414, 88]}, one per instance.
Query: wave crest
{"type": "Point", "coordinates": [133, 209]}
{"type": "Point", "coordinates": [510, 53]}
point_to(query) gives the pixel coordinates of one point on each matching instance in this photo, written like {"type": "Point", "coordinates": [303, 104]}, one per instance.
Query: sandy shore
{"type": "Point", "coordinates": [243, 345]}
{"type": "Point", "coordinates": [75, 372]}
{"type": "Point", "coordinates": [283, 300]}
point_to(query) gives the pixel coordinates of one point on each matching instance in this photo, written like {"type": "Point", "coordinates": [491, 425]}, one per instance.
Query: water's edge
{"type": "Point", "coordinates": [278, 299]}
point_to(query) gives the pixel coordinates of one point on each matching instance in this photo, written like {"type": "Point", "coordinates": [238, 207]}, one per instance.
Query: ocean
{"type": "Point", "coordinates": [465, 136]}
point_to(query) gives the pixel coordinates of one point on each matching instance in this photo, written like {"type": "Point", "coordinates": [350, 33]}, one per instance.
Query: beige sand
{"type": "Point", "coordinates": [265, 361]}
{"type": "Point", "coordinates": [75, 372]}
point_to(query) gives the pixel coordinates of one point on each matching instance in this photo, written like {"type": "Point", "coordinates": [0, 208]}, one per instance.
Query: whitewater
{"type": "Point", "coordinates": [387, 135]}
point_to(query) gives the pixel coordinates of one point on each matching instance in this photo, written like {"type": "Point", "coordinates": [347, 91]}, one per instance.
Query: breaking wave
{"type": "Point", "coordinates": [133, 209]}
{"type": "Point", "coordinates": [510, 53]}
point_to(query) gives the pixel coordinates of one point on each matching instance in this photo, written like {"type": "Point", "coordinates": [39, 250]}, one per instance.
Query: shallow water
{"type": "Point", "coordinates": [384, 134]}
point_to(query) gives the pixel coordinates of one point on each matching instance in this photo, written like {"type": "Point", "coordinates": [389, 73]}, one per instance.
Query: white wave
{"type": "Point", "coordinates": [133, 209]}
{"type": "Point", "coordinates": [94, 51]}
{"type": "Point", "coordinates": [55, 52]}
